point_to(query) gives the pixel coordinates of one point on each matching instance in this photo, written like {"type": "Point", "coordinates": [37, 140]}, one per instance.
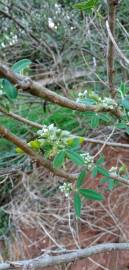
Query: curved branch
{"type": "Point", "coordinates": [48, 260]}
{"type": "Point", "coordinates": [36, 89]}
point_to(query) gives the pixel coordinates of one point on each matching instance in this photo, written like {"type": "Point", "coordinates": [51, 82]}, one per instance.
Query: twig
{"type": "Point", "coordinates": [36, 89]}
{"type": "Point", "coordinates": [21, 119]}
{"type": "Point", "coordinates": [112, 4]}
{"type": "Point", "coordinates": [37, 125]}
{"type": "Point", "coordinates": [113, 144]}
{"type": "Point", "coordinates": [104, 143]}
{"type": "Point", "coordinates": [123, 57]}
{"type": "Point", "coordinates": [48, 260]}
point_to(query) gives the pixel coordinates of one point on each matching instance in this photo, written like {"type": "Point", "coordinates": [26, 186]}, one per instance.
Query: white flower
{"type": "Point", "coordinates": [51, 127]}
{"type": "Point", "coordinates": [89, 160]}
{"type": "Point", "coordinates": [51, 23]}
{"type": "Point", "coordinates": [41, 131]}
{"type": "Point", "coordinates": [81, 96]}
{"type": "Point", "coordinates": [85, 93]}
{"type": "Point", "coordinates": [66, 188]}
{"type": "Point", "coordinates": [109, 103]}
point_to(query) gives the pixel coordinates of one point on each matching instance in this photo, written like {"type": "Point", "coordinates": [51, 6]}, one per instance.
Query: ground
{"type": "Point", "coordinates": [47, 222]}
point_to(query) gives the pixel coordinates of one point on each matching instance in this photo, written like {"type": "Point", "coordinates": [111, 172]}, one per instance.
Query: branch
{"type": "Point", "coordinates": [27, 150]}
{"type": "Point", "coordinates": [21, 119]}
{"type": "Point", "coordinates": [48, 260]}
{"type": "Point", "coordinates": [36, 89]}
{"type": "Point", "coordinates": [37, 125]}
{"type": "Point", "coordinates": [46, 163]}
{"type": "Point", "coordinates": [120, 179]}
{"type": "Point", "coordinates": [112, 4]}
{"type": "Point", "coordinates": [113, 144]}
{"type": "Point", "coordinates": [123, 57]}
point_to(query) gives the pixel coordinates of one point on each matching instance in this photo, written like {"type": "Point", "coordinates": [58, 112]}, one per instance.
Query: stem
{"type": "Point", "coordinates": [112, 4]}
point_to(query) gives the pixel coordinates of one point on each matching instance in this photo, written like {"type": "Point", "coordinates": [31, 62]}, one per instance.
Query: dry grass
{"type": "Point", "coordinates": [44, 220]}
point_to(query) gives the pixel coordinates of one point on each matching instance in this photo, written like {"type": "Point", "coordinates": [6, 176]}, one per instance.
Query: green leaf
{"type": "Point", "coordinates": [127, 130]}
{"type": "Point", "coordinates": [88, 101]}
{"type": "Point", "coordinates": [19, 150]}
{"type": "Point", "coordinates": [1, 82]}
{"type": "Point", "coordinates": [125, 103]}
{"type": "Point", "coordinates": [122, 88]}
{"type": "Point", "coordinates": [35, 144]}
{"type": "Point", "coordinates": [102, 171]}
{"type": "Point", "coordinates": [80, 179]}
{"type": "Point", "coordinates": [73, 142]}
{"type": "Point", "coordinates": [87, 5]}
{"type": "Point", "coordinates": [121, 125]}
{"type": "Point", "coordinates": [21, 65]}
{"type": "Point", "coordinates": [123, 169]}
{"type": "Point", "coordinates": [59, 159]}
{"type": "Point", "coordinates": [94, 121]}
{"type": "Point", "coordinates": [105, 117]}
{"type": "Point", "coordinates": [95, 171]}
{"type": "Point", "coordinates": [9, 89]}
{"type": "Point", "coordinates": [112, 183]}
{"type": "Point", "coordinates": [91, 194]}
{"type": "Point", "coordinates": [77, 204]}
{"type": "Point", "coordinates": [75, 157]}
{"type": "Point", "coordinates": [89, 114]}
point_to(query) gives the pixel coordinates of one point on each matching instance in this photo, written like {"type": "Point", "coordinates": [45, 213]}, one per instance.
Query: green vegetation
{"type": "Point", "coordinates": [64, 98]}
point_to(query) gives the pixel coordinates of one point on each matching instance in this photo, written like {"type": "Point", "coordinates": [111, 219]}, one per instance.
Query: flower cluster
{"type": "Point", "coordinates": [51, 140]}
{"type": "Point", "coordinates": [66, 188]}
{"type": "Point", "coordinates": [53, 134]}
{"type": "Point", "coordinates": [108, 103]}
{"type": "Point", "coordinates": [89, 160]}
{"type": "Point", "coordinates": [82, 96]}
